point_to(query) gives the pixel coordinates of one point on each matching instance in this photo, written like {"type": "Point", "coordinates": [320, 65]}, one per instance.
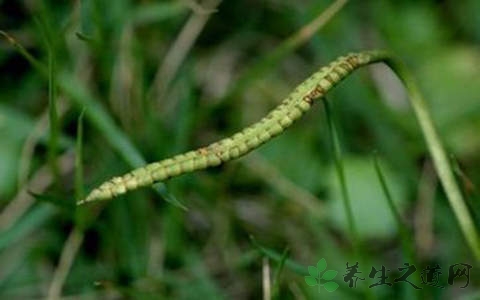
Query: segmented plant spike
{"type": "Point", "coordinates": [279, 119]}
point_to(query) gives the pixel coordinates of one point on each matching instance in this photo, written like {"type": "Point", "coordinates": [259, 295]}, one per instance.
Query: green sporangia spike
{"type": "Point", "coordinates": [279, 119]}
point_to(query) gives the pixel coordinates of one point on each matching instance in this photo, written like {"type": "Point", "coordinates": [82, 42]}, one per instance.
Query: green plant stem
{"type": "Point", "coordinates": [340, 170]}
{"type": "Point", "coordinates": [278, 272]}
{"type": "Point", "coordinates": [440, 159]}
{"type": "Point", "coordinates": [402, 227]}
{"type": "Point", "coordinates": [405, 233]}
{"type": "Point", "coordinates": [53, 115]}
{"type": "Point", "coordinates": [79, 192]}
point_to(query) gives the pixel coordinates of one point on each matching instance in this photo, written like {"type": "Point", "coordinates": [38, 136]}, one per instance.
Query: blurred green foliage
{"type": "Point", "coordinates": [107, 54]}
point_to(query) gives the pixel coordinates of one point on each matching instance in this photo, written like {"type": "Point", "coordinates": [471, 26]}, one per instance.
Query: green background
{"type": "Point", "coordinates": [285, 194]}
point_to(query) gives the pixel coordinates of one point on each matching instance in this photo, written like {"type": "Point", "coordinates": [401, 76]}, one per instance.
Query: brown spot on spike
{"type": "Point", "coordinates": [352, 60]}
{"type": "Point", "coordinates": [202, 151]}
{"type": "Point", "coordinates": [308, 99]}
